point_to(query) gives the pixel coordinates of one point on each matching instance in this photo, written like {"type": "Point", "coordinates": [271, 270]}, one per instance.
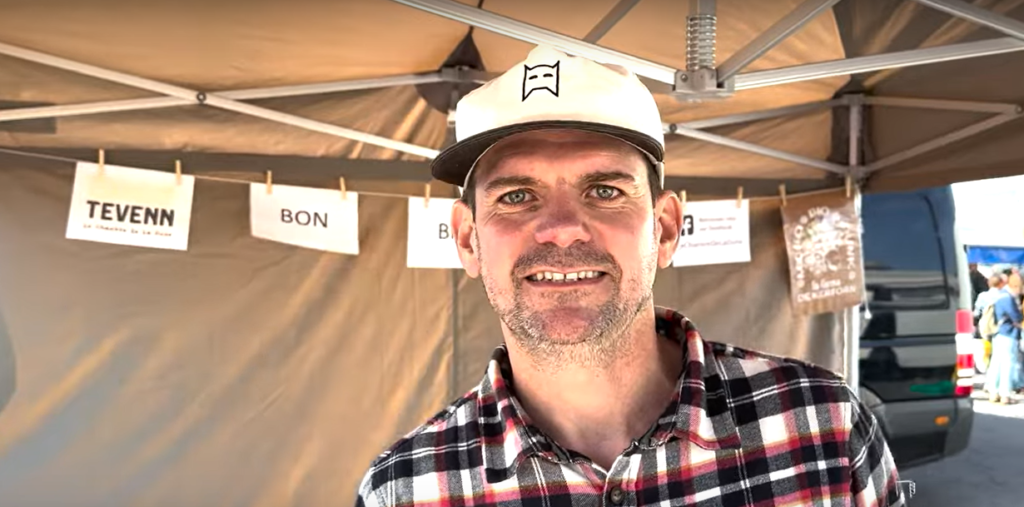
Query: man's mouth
{"type": "Point", "coordinates": [566, 277]}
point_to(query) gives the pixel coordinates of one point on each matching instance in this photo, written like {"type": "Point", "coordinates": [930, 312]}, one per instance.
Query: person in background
{"type": "Point", "coordinates": [1004, 367]}
{"type": "Point", "coordinates": [985, 299]}
{"type": "Point", "coordinates": [994, 285]}
{"type": "Point", "coordinates": [979, 283]}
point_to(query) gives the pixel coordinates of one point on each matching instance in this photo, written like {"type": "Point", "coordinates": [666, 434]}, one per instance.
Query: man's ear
{"type": "Point", "coordinates": [464, 227]}
{"type": "Point", "coordinates": [668, 212]}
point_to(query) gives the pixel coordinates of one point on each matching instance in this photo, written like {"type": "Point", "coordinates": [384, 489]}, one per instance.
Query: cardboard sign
{"type": "Point", "coordinates": [127, 206]}
{"type": "Point", "coordinates": [823, 242]}
{"type": "Point", "coordinates": [431, 237]}
{"type": "Point", "coordinates": [714, 232]}
{"type": "Point", "coordinates": [308, 217]}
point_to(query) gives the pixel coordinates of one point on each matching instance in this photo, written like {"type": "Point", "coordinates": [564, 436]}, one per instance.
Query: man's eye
{"type": "Point", "coordinates": [606, 192]}
{"type": "Point", "coordinates": [515, 197]}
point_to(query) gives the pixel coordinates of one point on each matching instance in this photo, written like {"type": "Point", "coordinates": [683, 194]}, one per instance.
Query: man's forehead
{"type": "Point", "coordinates": [576, 153]}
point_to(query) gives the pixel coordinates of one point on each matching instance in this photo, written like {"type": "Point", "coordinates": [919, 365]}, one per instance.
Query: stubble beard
{"type": "Point", "coordinates": [602, 340]}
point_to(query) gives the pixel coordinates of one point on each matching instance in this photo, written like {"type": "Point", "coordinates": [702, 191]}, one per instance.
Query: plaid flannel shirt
{"type": "Point", "coordinates": [743, 429]}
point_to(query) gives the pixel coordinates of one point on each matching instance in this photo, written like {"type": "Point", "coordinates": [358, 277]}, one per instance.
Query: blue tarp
{"type": "Point", "coordinates": [995, 255]}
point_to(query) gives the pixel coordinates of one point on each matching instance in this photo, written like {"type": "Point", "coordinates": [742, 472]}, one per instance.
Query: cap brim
{"type": "Point", "coordinates": [453, 164]}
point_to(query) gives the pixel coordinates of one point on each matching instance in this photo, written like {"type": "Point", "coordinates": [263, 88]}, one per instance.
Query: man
{"type": "Point", "coordinates": [597, 397]}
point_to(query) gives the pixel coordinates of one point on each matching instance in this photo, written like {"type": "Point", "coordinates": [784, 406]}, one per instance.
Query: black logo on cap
{"type": "Point", "coordinates": [540, 77]}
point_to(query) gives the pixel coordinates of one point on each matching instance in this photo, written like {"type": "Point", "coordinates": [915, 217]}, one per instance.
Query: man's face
{"type": "Point", "coordinates": [566, 238]}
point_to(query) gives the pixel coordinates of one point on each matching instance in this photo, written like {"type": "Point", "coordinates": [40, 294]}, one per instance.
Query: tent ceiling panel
{"type": "Point", "coordinates": [325, 41]}
{"type": "Point", "coordinates": [996, 153]}
{"type": "Point", "coordinates": [806, 135]}
{"type": "Point", "coordinates": [233, 45]}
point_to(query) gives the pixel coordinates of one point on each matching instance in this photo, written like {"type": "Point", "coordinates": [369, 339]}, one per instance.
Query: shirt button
{"type": "Point", "coordinates": [616, 496]}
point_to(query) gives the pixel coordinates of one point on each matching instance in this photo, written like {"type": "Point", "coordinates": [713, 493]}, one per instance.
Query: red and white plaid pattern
{"type": "Point", "coordinates": [744, 429]}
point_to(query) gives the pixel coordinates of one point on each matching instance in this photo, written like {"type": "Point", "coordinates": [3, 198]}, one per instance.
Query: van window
{"type": "Point", "coordinates": [904, 254]}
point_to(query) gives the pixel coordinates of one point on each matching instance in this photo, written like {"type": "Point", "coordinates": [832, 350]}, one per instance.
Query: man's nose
{"type": "Point", "coordinates": [563, 224]}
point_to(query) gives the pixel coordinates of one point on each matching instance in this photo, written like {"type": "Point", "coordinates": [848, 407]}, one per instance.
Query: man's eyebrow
{"type": "Point", "coordinates": [608, 176]}
{"type": "Point", "coordinates": [504, 182]}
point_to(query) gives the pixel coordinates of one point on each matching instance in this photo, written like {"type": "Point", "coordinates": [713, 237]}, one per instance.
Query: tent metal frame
{"type": "Point", "coordinates": [729, 72]}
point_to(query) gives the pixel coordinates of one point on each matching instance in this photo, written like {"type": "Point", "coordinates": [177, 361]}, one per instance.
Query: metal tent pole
{"type": "Point", "coordinates": [609, 20]}
{"type": "Point", "coordinates": [943, 105]}
{"type": "Point", "coordinates": [852, 315]}
{"type": "Point", "coordinates": [754, 148]}
{"type": "Point", "coordinates": [518, 30]}
{"type": "Point", "coordinates": [984, 17]}
{"type": "Point", "coordinates": [773, 36]}
{"type": "Point", "coordinates": [214, 100]}
{"type": "Point", "coordinates": [732, 119]}
{"type": "Point", "coordinates": [877, 62]}
{"type": "Point", "coordinates": [939, 142]}
{"type": "Point", "coordinates": [112, 106]}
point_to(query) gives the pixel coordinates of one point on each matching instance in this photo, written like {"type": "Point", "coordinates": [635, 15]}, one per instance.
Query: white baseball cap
{"type": "Point", "coordinates": [553, 90]}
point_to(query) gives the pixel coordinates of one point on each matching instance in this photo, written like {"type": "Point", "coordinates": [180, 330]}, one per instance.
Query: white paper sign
{"type": "Point", "coordinates": [127, 206]}
{"type": "Point", "coordinates": [431, 237]}
{"type": "Point", "coordinates": [314, 218]}
{"type": "Point", "coordinates": [714, 232]}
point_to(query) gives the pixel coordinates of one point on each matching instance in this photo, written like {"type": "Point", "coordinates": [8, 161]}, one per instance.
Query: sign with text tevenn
{"type": "Point", "coordinates": [431, 241]}
{"type": "Point", "coordinates": [823, 243]}
{"type": "Point", "coordinates": [714, 232]}
{"type": "Point", "coordinates": [314, 218]}
{"type": "Point", "coordinates": [127, 206]}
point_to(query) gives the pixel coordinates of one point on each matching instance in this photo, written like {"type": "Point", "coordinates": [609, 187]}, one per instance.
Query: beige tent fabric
{"type": "Point", "coordinates": [236, 44]}
{"type": "Point", "coordinates": [247, 372]}
{"type": "Point", "coordinates": [241, 372]}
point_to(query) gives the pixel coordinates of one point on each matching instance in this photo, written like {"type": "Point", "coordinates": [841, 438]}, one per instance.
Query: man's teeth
{"type": "Point", "coordinates": [564, 277]}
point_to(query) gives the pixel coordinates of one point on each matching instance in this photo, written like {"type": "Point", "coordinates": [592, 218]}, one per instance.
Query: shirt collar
{"type": "Point", "coordinates": [698, 411]}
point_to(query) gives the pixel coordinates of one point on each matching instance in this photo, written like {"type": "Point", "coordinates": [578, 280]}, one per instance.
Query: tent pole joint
{"type": "Point", "coordinates": [700, 80]}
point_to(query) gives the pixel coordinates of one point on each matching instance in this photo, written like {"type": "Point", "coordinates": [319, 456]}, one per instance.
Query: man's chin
{"type": "Point", "coordinates": [568, 324]}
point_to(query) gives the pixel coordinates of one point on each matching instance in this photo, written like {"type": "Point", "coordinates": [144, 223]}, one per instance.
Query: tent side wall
{"type": "Point", "coordinates": [246, 372]}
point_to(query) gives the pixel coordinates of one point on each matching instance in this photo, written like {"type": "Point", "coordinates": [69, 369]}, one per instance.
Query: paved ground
{"type": "Point", "coordinates": [989, 473]}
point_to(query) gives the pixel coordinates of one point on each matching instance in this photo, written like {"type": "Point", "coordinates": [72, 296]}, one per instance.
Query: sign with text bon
{"type": "Point", "coordinates": [314, 218]}
{"type": "Point", "coordinates": [431, 238]}
{"type": "Point", "coordinates": [714, 232]}
{"type": "Point", "coordinates": [127, 206]}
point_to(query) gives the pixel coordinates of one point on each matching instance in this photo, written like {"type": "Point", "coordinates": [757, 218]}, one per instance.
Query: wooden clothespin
{"type": "Point", "coordinates": [782, 193]}
{"type": "Point", "coordinates": [177, 172]}
{"type": "Point", "coordinates": [102, 161]}
{"type": "Point", "coordinates": [682, 199]}
{"type": "Point", "coordinates": [426, 195]}
{"type": "Point", "coordinates": [739, 197]}
{"type": "Point", "coordinates": [270, 183]}
{"type": "Point", "coordinates": [849, 185]}
{"type": "Point", "coordinates": [344, 191]}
